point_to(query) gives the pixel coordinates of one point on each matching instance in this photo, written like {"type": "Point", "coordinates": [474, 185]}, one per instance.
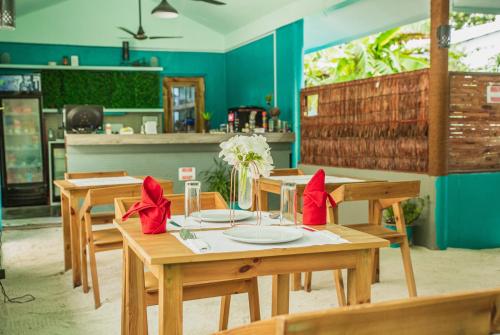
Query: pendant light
{"type": "Point", "coordinates": [7, 14]}
{"type": "Point", "coordinates": [164, 11]}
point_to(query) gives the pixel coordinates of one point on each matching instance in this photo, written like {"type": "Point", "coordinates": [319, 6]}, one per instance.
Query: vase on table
{"type": "Point", "coordinates": [245, 188]}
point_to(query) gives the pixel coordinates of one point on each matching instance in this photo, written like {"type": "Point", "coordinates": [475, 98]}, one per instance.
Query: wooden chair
{"type": "Point", "coordinates": [102, 217]}
{"type": "Point", "coordinates": [103, 239]}
{"type": "Point", "coordinates": [383, 195]}
{"type": "Point", "coordinates": [82, 175]}
{"type": "Point", "coordinates": [201, 290]}
{"type": "Point", "coordinates": [463, 313]}
{"type": "Point", "coordinates": [287, 172]}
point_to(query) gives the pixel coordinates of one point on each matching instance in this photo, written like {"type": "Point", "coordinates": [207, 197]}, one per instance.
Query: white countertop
{"type": "Point", "coordinates": [172, 138]}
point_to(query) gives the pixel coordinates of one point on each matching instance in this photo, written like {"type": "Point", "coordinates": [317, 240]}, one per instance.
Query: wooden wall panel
{"type": "Point", "coordinates": [474, 133]}
{"type": "Point", "coordinates": [375, 123]}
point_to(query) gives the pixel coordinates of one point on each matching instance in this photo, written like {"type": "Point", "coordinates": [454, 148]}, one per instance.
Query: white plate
{"type": "Point", "coordinates": [263, 234]}
{"type": "Point", "coordinates": [222, 215]}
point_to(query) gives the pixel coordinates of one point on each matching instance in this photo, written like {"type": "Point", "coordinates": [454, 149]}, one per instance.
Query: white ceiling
{"type": "Point", "coordinates": [225, 19]}
{"type": "Point", "coordinates": [215, 28]}
{"type": "Point", "coordinates": [222, 19]}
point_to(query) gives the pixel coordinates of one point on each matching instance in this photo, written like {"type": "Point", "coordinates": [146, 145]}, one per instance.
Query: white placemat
{"type": "Point", "coordinates": [193, 225]}
{"type": "Point", "coordinates": [304, 179]}
{"type": "Point", "coordinates": [85, 182]}
{"type": "Point", "coordinates": [217, 242]}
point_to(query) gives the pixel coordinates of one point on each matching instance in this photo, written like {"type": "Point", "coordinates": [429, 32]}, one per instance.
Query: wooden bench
{"type": "Point", "coordinates": [472, 313]}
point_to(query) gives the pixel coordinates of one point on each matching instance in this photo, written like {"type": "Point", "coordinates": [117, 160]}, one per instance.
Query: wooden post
{"type": "Point", "coordinates": [438, 92]}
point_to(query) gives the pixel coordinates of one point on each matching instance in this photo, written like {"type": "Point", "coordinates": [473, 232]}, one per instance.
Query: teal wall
{"type": "Point", "coordinates": [289, 51]}
{"type": "Point", "coordinates": [250, 73]}
{"type": "Point", "coordinates": [209, 65]}
{"type": "Point", "coordinates": [468, 210]}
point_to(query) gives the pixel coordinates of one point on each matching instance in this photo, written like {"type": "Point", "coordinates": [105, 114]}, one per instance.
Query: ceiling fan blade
{"type": "Point", "coordinates": [212, 2]}
{"type": "Point", "coordinates": [163, 37]}
{"type": "Point", "coordinates": [127, 31]}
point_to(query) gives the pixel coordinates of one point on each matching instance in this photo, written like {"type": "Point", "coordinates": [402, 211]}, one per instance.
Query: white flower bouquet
{"type": "Point", "coordinates": [251, 158]}
{"type": "Point", "coordinates": [248, 152]}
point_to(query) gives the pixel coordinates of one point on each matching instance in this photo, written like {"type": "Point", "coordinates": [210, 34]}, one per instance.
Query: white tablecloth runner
{"type": "Point", "coordinates": [217, 242]}
{"type": "Point", "coordinates": [107, 181]}
{"type": "Point", "coordinates": [304, 179]}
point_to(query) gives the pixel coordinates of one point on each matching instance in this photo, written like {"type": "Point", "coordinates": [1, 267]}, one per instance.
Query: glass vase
{"type": "Point", "coordinates": [245, 188]}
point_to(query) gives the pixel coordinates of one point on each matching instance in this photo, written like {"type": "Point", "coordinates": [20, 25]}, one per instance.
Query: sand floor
{"type": "Point", "coordinates": [33, 260]}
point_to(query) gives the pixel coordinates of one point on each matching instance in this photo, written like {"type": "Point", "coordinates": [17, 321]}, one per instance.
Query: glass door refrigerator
{"type": "Point", "coordinates": [23, 166]}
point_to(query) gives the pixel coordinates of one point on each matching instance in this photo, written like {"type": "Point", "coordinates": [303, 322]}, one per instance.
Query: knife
{"type": "Point", "coordinates": [175, 224]}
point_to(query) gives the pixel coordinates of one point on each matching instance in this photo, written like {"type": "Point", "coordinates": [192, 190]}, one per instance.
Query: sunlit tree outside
{"type": "Point", "coordinates": [403, 49]}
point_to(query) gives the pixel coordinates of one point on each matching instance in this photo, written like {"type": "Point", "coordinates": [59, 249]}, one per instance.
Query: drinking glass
{"type": "Point", "coordinates": [288, 204]}
{"type": "Point", "coordinates": [192, 201]}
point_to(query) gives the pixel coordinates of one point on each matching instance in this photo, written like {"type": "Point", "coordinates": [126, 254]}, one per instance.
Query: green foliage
{"type": "Point", "coordinates": [459, 20]}
{"type": "Point", "coordinates": [207, 116]}
{"type": "Point", "coordinates": [396, 50]}
{"type": "Point", "coordinates": [112, 89]}
{"type": "Point", "coordinates": [412, 210]}
{"type": "Point", "coordinates": [218, 178]}
{"type": "Point", "coordinates": [380, 54]}
{"type": "Point", "coordinates": [269, 99]}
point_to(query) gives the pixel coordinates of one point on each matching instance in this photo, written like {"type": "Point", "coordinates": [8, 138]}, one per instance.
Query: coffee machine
{"type": "Point", "coordinates": [238, 117]}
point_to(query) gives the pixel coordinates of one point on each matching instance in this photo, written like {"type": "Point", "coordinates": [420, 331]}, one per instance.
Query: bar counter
{"type": "Point", "coordinates": [174, 138]}
{"type": "Point", "coordinates": [159, 155]}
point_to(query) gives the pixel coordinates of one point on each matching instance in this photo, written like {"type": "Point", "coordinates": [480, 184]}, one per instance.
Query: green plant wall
{"type": "Point", "coordinates": [111, 89]}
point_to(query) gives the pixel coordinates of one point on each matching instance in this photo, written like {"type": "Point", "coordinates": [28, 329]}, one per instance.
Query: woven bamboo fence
{"type": "Point", "coordinates": [474, 136]}
{"type": "Point", "coordinates": [376, 123]}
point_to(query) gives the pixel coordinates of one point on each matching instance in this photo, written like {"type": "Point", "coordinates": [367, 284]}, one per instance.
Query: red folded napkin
{"type": "Point", "coordinates": [153, 208]}
{"type": "Point", "coordinates": [314, 200]}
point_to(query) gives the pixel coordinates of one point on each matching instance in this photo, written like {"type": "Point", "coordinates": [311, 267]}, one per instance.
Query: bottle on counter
{"type": "Point", "coordinates": [236, 123]}
{"type": "Point", "coordinates": [284, 127]}
{"type": "Point", "coordinates": [230, 122]}
{"type": "Point", "coordinates": [246, 130]}
{"type": "Point", "coordinates": [253, 114]}
{"type": "Point", "coordinates": [264, 120]}
{"type": "Point", "coordinates": [108, 129]}
{"type": "Point", "coordinates": [271, 125]}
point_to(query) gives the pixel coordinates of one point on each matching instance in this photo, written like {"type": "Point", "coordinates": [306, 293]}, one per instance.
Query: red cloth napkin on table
{"type": "Point", "coordinates": [314, 200]}
{"type": "Point", "coordinates": [153, 208]}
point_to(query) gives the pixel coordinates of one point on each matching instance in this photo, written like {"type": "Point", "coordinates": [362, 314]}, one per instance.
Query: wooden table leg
{"type": "Point", "coordinates": [66, 231]}
{"type": "Point", "coordinates": [297, 281]}
{"type": "Point", "coordinates": [134, 320]}
{"type": "Point", "coordinates": [359, 279]}
{"type": "Point", "coordinates": [75, 240]}
{"type": "Point", "coordinates": [374, 217]}
{"type": "Point", "coordinates": [170, 300]}
{"type": "Point", "coordinates": [125, 288]}
{"type": "Point", "coordinates": [281, 294]}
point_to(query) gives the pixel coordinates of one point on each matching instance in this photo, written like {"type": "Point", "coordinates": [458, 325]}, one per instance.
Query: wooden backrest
{"type": "Point", "coordinates": [377, 191]}
{"type": "Point", "coordinates": [209, 200]}
{"type": "Point", "coordinates": [286, 172]}
{"type": "Point", "coordinates": [106, 195]}
{"type": "Point", "coordinates": [81, 175]}
{"type": "Point", "coordinates": [464, 313]}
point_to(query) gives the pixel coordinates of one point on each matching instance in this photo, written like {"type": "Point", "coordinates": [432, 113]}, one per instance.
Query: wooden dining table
{"type": "Point", "coordinates": [175, 265]}
{"type": "Point", "coordinates": [71, 199]}
{"type": "Point", "coordinates": [273, 184]}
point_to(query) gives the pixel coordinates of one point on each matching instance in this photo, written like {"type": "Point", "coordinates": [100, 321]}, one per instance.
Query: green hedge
{"type": "Point", "coordinates": [112, 89]}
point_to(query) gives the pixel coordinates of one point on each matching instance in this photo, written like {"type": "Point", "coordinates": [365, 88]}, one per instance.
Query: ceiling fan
{"type": "Point", "coordinates": [141, 34]}
{"type": "Point", "coordinates": [166, 11]}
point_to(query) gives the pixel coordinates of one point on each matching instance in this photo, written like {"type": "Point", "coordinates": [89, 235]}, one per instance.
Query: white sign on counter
{"type": "Point", "coordinates": [187, 173]}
